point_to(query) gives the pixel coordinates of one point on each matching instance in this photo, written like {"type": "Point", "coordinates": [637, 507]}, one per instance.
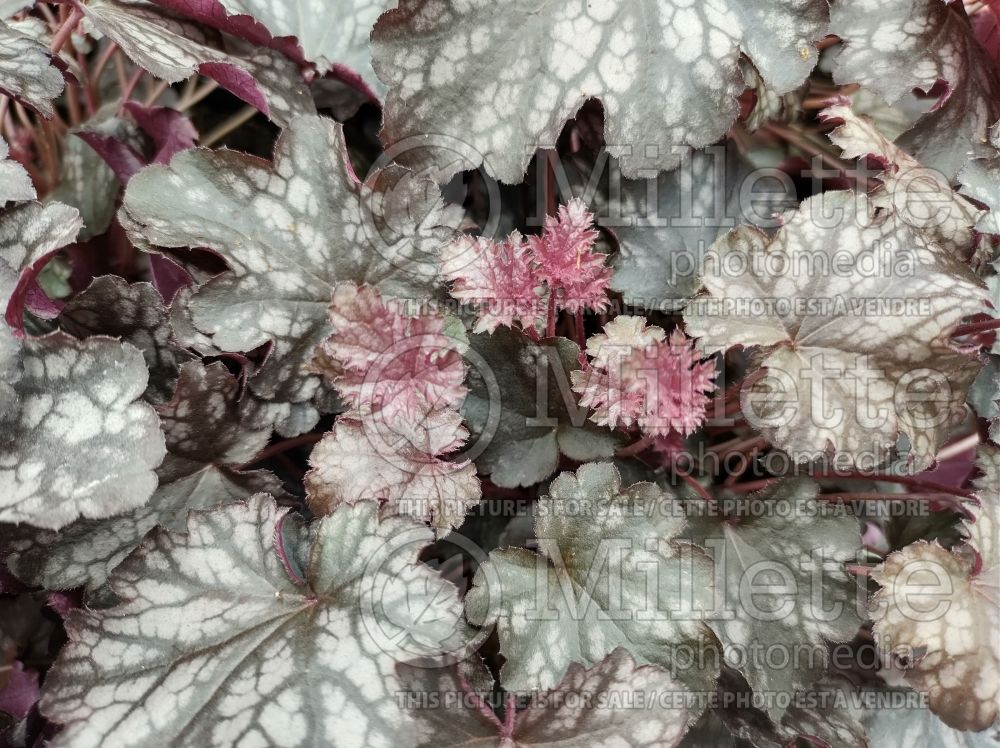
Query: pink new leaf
{"type": "Point", "coordinates": [381, 356]}
{"type": "Point", "coordinates": [677, 385]}
{"type": "Point", "coordinates": [507, 280]}
{"type": "Point", "coordinates": [497, 277]}
{"type": "Point", "coordinates": [637, 375]}
{"type": "Point", "coordinates": [566, 259]}
{"type": "Point", "coordinates": [397, 457]}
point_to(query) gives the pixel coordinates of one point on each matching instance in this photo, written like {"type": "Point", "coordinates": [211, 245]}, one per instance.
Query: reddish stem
{"type": "Point", "coordinates": [550, 325]}
{"type": "Point", "coordinates": [278, 448]}
{"type": "Point", "coordinates": [66, 30]}
{"type": "Point", "coordinates": [636, 447]}
{"type": "Point", "coordinates": [698, 488]}
{"type": "Point", "coordinates": [509, 715]}
{"type": "Point", "coordinates": [757, 485]}
{"type": "Point", "coordinates": [902, 480]}
{"type": "Point", "coordinates": [973, 327]}
{"type": "Point", "coordinates": [130, 87]}
{"type": "Point", "coordinates": [875, 496]}
{"type": "Point", "coordinates": [581, 338]}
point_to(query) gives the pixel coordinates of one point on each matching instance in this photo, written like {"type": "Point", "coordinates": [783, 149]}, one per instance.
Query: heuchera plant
{"type": "Point", "coordinates": [520, 373]}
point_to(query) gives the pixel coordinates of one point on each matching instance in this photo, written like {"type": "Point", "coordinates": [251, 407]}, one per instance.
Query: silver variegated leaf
{"type": "Point", "coordinates": [15, 181]}
{"type": "Point", "coordinates": [984, 395]}
{"type": "Point", "coordinates": [30, 235]}
{"type": "Point", "coordinates": [823, 714]}
{"type": "Point", "coordinates": [30, 232]}
{"type": "Point", "coordinates": [11, 368]}
{"type": "Point", "coordinates": [939, 621]}
{"type": "Point", "coordinates": [289, 232]}
{"type": "Point", "coordinates": [86, 182]}
{"type": "Point", "coordinates": [904, 728]}
{"type": "Point", "coordinates": [894, 46]}
{"type": "Point", "coordinates": [403, 463]}
{"type": "Point", "coordinates": [77, 444]}
{"type": "Point", "coordinates": [26, 71]}
{"type": "Point", "coordinates": [135, 313]}
{"type": "Point", "coordinates": [206, 445]}
{"type": "Point", "coordinates": [173, 49]}
{"type": "Point", "coordinates": [609, 574]}
{"type": "Point", "coordinates": [463, 89]}
{"type": "Point", "coordinates": [983, 530]}
{"type": "Point", "coordinates": [330, 33]}
{"type": "Point", "coordinates": [980, 179]}
{"type": "Point", "coordinates": [791, 551]}
{"type": "Point", "coordinates": [218, 624]}
{"type": "Point", "coordinates": [588, 707]}
{"type": "Point", "coordinates": [854, 310]}
{"type": "Point", "coordinates": [521, 411]}
{"type": "Point", "coordinates": [10, 7]}
{"type": "Point", "coordinates": [664, 225]}
{"type": "Point", "coordinates": [919, 196]}
{"type": "Point", "coordinates": [73, 440]}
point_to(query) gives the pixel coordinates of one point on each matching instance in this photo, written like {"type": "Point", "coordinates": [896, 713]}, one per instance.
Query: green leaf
{"type": "Point", "coordinates": [608, 575]}
{"type": "Point", "coordinates": [521, 410]}
{"type": "Point", "coordinates": [783, 589]}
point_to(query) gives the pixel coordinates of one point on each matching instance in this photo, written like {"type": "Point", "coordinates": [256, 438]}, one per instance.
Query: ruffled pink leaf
{"type": "Point", "coordinates": [677, 385]}
{"type": "Point", "coordinates": [637, 376]}
{"type": "Point", "coordinates": [567, 261]}
{"type": "Point", "coordinates": [380, 357]}
{"type": "Point", "coordinates": [498, 278]}
{"type": "Point", "coordinates": [616, 398]}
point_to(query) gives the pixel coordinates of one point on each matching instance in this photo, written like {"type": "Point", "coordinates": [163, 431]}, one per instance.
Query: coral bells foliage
{"type": "Point", "coordinates": [514, 280]}
{"type": "Point", "coordinates": [402, 377]}
{"type": "Point", "coordinates": [287, 487]}
{"type": "Point", "coordinates": [498, 277]}
{"type": "Point", "coordinates": [574, 273]}
{"type": "Point", "coordinates": [638, 375]}
{"type": "Point", "coordinates": [382, 356]}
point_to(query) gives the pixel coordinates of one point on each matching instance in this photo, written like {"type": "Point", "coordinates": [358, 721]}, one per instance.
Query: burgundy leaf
{"type": "Point", "coordinates": [168, 277]}
{"type": "Point", "coordinates": [170, 130]}
{"type": "Point", "coordinates": [123, 159]}
{"type": "Point", "coordinates": [211, 13]}
{"type": "Point", "coordinates": [18, 690]}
